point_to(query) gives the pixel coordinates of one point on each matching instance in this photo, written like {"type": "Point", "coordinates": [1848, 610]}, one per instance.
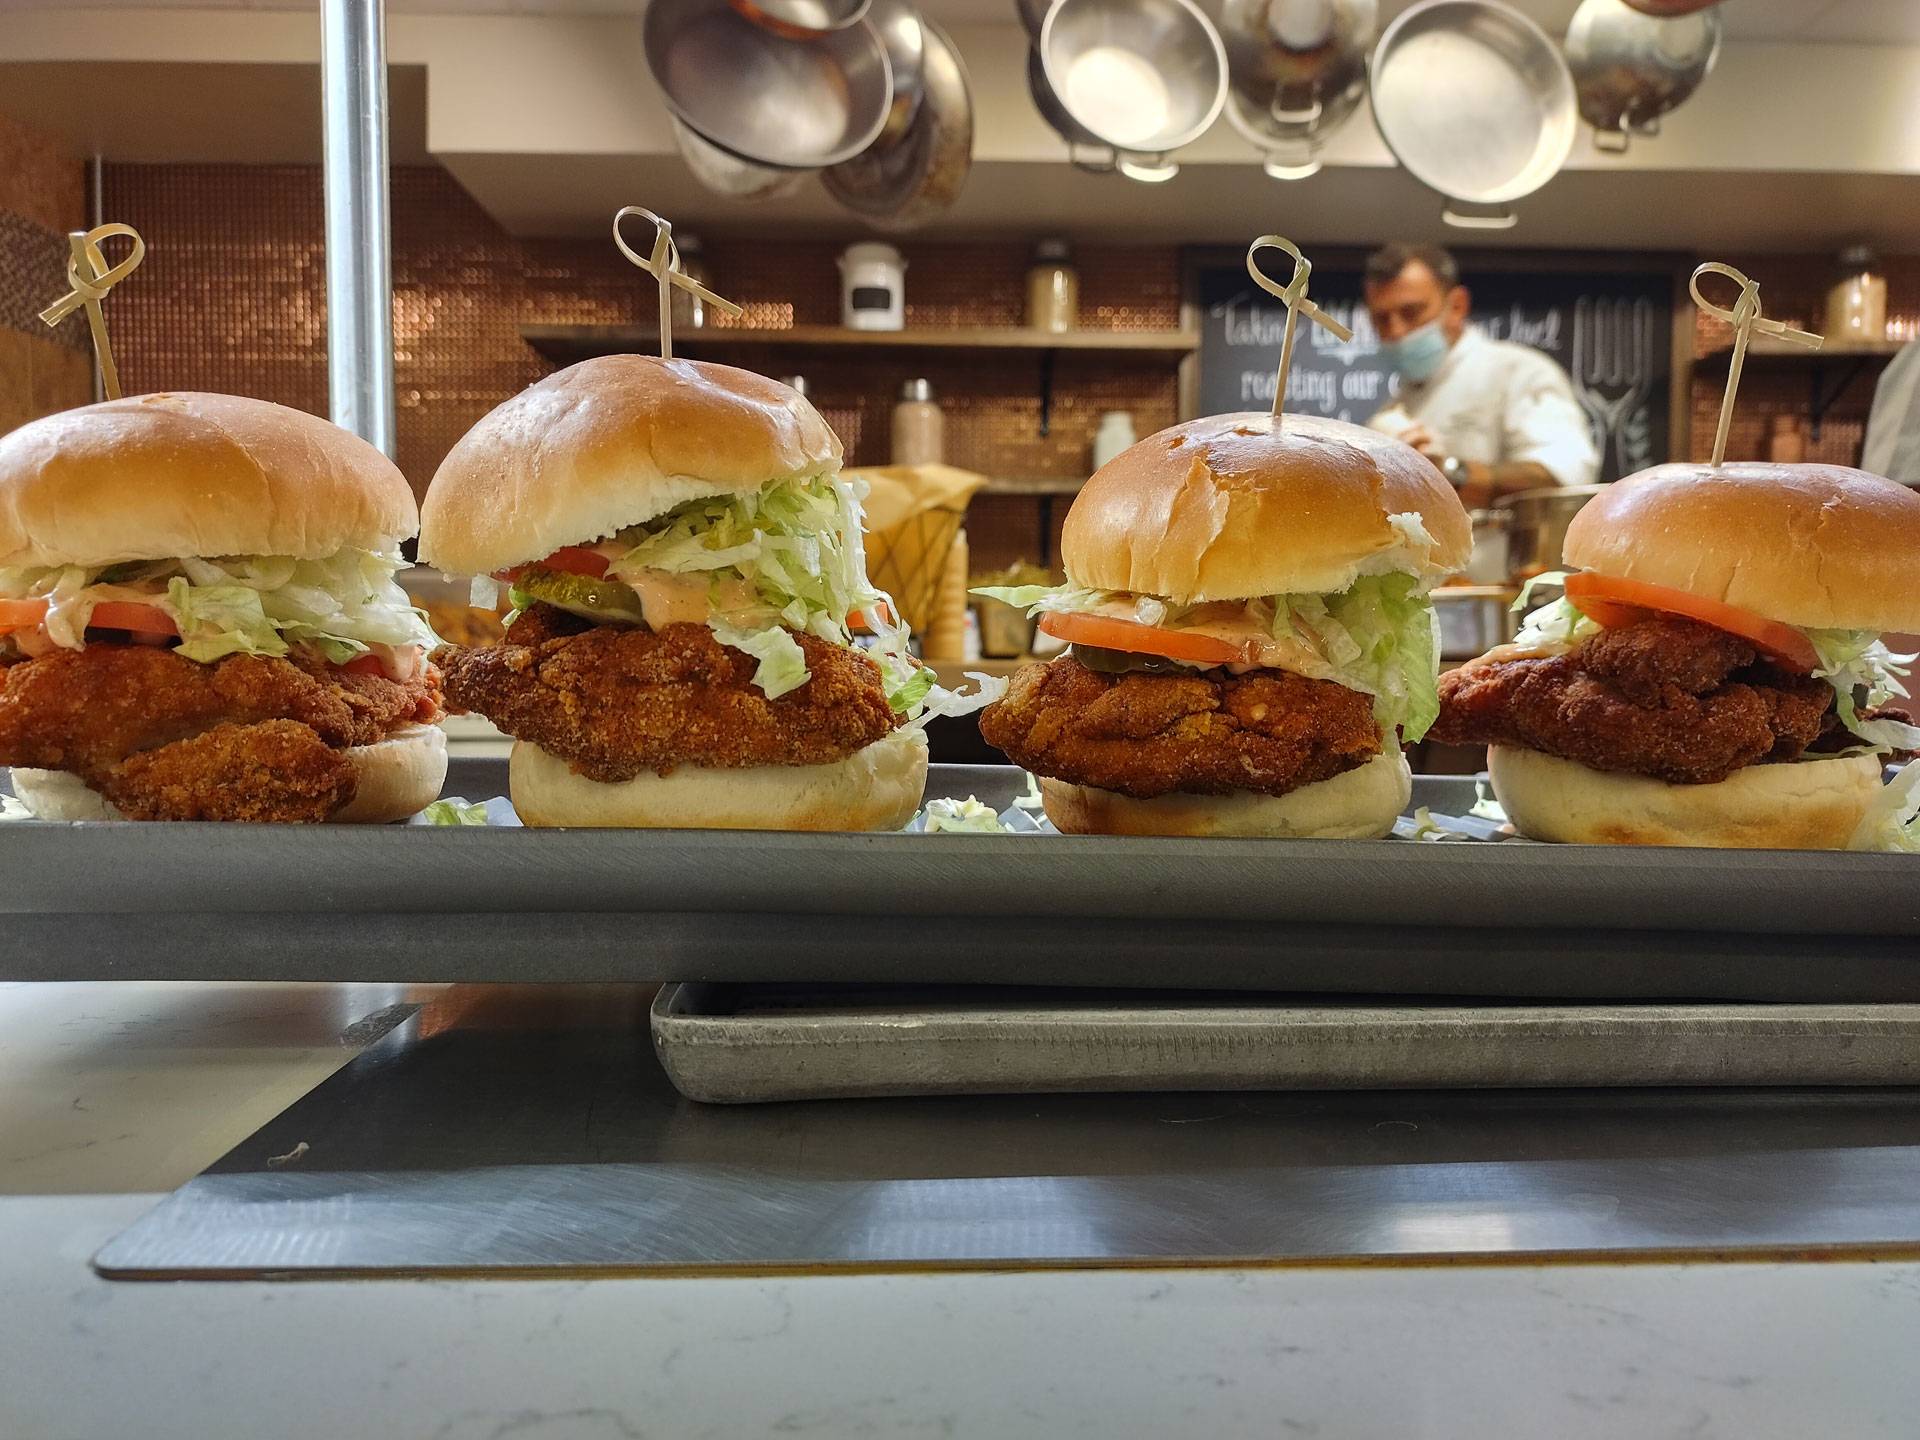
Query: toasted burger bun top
{"type": "Point", "coordinates": [156, 477]}
{"type": "Point", "coordinates": [610, 443]}
{"type": "Point", "coordinates": [1234, 506]}
{"type": "Point", "coordinates": [1818, 546]}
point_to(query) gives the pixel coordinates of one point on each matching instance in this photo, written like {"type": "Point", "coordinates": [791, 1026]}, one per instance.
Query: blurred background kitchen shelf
{"type": "Point", "coordinates": [565, 344]}
{"type": "Point", "coordinates": [1765, 347]}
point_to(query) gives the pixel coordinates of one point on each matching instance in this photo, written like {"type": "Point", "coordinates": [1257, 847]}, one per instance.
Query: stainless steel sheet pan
{"type": "Point", "coordinates": [396, 903]}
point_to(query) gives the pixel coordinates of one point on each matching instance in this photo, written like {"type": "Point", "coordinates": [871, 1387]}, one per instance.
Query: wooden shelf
{"type": "Point", "coordinates": [1846, 360]}
{"type": "Point", "coordinates": [1767, 347]}
{"type": "Point", "coordinates": [1035, 485]}
{"type": "Point", "coordinates": [580, 342]}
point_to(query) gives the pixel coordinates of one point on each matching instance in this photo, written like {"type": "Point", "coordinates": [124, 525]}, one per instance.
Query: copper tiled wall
{"type": "Point", "coordinates": [1794, 288]}
{"type": "Point", "coordinates": [42, 197]}
{"type": "Point", "coordinates": [232, 297]}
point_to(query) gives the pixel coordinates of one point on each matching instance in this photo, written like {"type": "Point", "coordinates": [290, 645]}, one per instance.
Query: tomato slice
{"type": "Point", "coordinates": [1614, 603]}
{"type": "Point", "coordinates": [364, 665]}
{"type": "Point", "coordinates": [108, 615]}
{"type": "Point", "coordinates": [21, 614]}
{"type": "Point", "coordinates": [572, 559]}
{"type": "Point", "coordinates": [1108, 633]}
{"type": "Point", "coordinates": [129, 615]}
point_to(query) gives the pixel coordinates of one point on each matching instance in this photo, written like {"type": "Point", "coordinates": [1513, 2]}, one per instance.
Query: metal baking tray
{"type": "Point", "coordinates": [227, 902]}
{"type": "Point", "coordinates": [733, 1044]}
{"type": "Point", "coordinates": [549, 1142]}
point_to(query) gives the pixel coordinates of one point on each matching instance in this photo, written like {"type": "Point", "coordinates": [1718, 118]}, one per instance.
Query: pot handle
{"type": "Point", "coordinates": [1093, 159]}
{"type": "Point", "coordinates": [1465, 215]}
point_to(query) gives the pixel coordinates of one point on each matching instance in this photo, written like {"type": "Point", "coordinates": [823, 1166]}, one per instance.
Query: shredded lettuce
{"type": "Point", "coordinates": [789, 557]}
{"type": "Point", "coordinates": [343, 605]}
{"type": "Point", "coordinates": [1485, 806]}
{"type": "Point", "coordinates": [792, 548]}
{"type": "Point", "coordinates": [1379, 636]}
{"type": "Point", "coordinates": [960, 817]}
{"type": "Point", "coordinates": [1892, 822]}
{"type": "Point", "coordinates": [1383, 638]}
{"type": "Point", "coordinates": [1865, 674]}
{"type": "Point", "coordinates": [455, 810]}
{"type": "Point", "coordinates": [1039, 599]}
{"type": "Point", "coordinates": [1425, 827]}
{"type": "Point", "coordinates": [1557, 625]}
{"type": "Point", "coordinates": [1032, 800]}
{"type": "Point", "coordinates": [911, 691]}
{"type": "Point", "coordinates": [783, 665]}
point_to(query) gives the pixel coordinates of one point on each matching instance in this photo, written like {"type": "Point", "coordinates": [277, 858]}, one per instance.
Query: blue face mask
{"type": "Point", "coordinates": [1418, 353]}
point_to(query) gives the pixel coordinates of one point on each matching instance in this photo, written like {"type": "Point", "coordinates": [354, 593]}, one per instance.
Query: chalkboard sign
{"type": "Point", "coordinates": [1611, 331]}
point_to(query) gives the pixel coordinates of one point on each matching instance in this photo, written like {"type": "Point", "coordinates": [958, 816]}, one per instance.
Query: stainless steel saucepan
{"type": "Point", "coordinates": [900, 184]}
{"type": "Point", "coordinates": [793, 104]}
{"type": "Point", "coordinates": [1671, 7]}
{"type": "Point", "coordinates": [1143, 77]}
{"type": "Point", "coordinates": [1630, 68]}
{"type": "Point", "coordinates": [1537, 526]}
{"type": "Point", "coordinates": [727, 174]}
{"type": "Point", "coordinates": [802, 19]}
{"type": "Point", "coordinates": [1297, 69]}
{"type": "Point", "coordinates": [1476, 101]}
{"type": "Point", "coordinates": [903, 32]}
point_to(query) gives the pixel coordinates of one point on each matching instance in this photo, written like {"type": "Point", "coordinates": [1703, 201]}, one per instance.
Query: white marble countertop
{"type": "Point", "coordinates": [110, 1095]}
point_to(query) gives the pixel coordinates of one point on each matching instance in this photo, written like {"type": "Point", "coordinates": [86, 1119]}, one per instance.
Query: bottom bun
{"type": "Point", "coordinates": [1361, 804]}
{"type": "Point", "coordinates": [398, 777]}
{"type": "Point", "coordinates": [395, 777]}
{"type": "Point", "coordinates": [1804, 805]}
{"type": "Point", "coordinates": [878, 788]}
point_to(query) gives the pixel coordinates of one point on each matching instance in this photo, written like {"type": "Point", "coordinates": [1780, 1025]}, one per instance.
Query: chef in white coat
{"type": "Point", "coordinates": [1892, 445]}
{"type": "Point", "coordinates": [1495, 416]}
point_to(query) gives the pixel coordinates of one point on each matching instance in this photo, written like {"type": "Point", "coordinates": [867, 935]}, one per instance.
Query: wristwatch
{"type": "Point", "coordinates": [1456, 470]}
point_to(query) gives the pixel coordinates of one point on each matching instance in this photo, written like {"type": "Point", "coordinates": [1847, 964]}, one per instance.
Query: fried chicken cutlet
{"type": "Point", "coordinates": [1205, 732]}
{"type": "Point", "coordinates": [1668, 697]}
{"type": "Point", "coordinates": [165, 738]}
{"type": "Point", "coordinates": [616, 701]}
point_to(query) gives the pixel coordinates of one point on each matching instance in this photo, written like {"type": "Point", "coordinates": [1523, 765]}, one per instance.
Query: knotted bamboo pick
{"type": "Point", "coordinates": [1745, 318]}
{"type": "Point", "coordinates": [89, 278]}
{"type": "Point", "coordinates": [1294, 296]}
{"type": "Point", "coordinates": [664, 265]}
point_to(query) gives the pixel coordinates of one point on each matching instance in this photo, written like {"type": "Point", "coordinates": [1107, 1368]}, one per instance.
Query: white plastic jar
{"type": "Point", "coordinates": [873, 288]}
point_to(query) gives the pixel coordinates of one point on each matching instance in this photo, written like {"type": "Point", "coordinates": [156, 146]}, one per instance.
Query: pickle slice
{"type": "Point", "coordinates": [1121, 662]}
{"type": "Point", "coordinates": [603, 601]}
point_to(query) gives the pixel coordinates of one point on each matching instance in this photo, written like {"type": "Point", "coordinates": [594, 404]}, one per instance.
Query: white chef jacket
{"type": "Point", "coordinates": [1495, 401]}
{"type": "Point", "coordinates": [1893, 426]}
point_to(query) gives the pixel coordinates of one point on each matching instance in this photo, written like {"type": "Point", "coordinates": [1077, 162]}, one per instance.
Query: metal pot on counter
{"type": "Point", "coordinates": [1535, 526]}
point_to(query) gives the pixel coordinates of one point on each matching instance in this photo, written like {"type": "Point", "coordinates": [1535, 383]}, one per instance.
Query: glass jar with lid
{"type": "Point", "coordinates": [1857, 303]}
{"type": "Point", "coordinates": [1053, 289]}
{"type": "Point", "coordinates": [919, 429]}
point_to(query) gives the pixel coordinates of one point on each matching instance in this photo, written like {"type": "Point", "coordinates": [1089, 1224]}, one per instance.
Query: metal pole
{"type": "Point", "coordinates": [353, 81]}
{"type": "Point", "coordinates": [97, 183]}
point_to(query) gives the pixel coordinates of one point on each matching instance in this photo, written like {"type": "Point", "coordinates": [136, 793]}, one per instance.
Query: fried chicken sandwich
{"type": "Point", "coordinates": [1250, 634]}
{"type": "Point", "coordinates": [687, 569]}
{"type": "Point", "coordinates": [199, 618]}
{"type": "Point", "coordinates": [1714, 672]}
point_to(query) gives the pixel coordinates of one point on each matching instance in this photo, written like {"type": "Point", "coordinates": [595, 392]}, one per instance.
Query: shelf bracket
{"type": "Point", "coordinates": [1822, 399]}
{"type": "Point", "coordinates": [1046, 391]}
